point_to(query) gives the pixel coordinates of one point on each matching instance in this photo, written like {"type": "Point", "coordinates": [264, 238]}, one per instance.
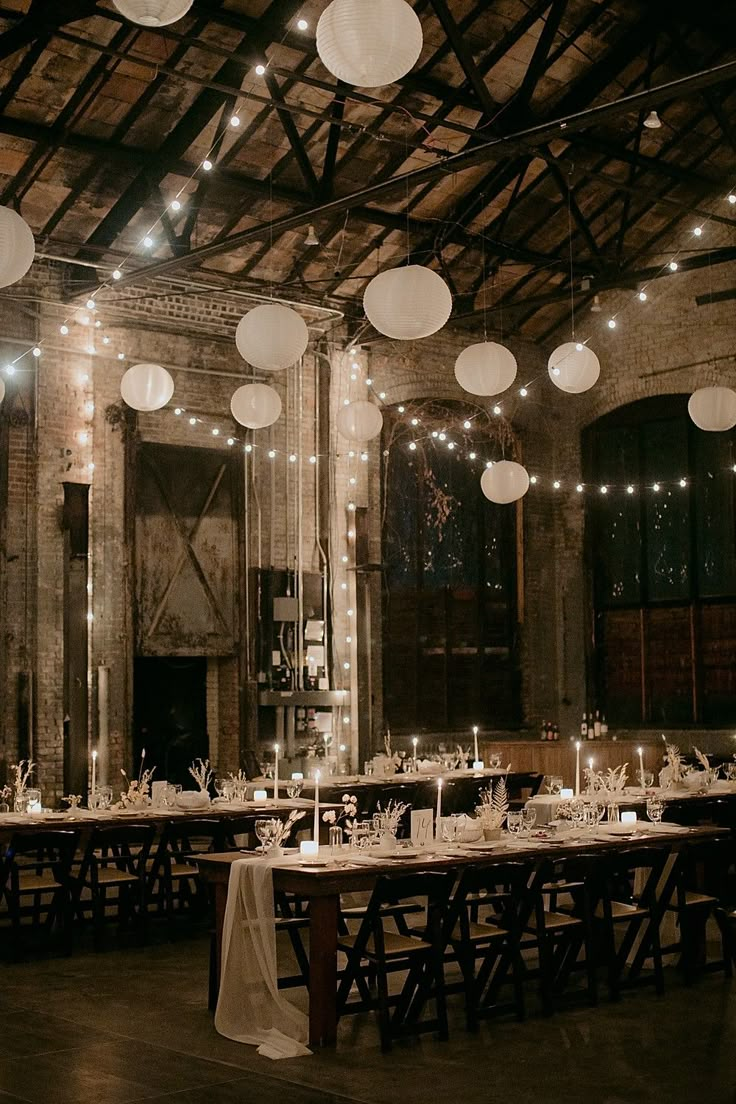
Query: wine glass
{"type": "Point", "coordinates": [655, 809]}
{"type": "Point", "coordinates": [294, 787]}
{"type": "Point", "coordinates": [515, 821]}
{"type": "Point", "coordinates": [220, 786]}
{"type": "Point", "coordinates": [528, 818]}
{"type": "Point", "coordinates": [266, 828]}
{"type": "Point", "coordinates": [554, 784]}
{"type": "Point", "coordinates": [577, 812]}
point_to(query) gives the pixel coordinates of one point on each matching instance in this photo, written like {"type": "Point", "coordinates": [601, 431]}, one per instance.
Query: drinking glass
{"type": "Point", "coordinates": [528, 818]}
{"type": "Point", "coordinates": [34, 800]}
{"type": "Point", "coordinates": [294, 787]}
{"type": "Point", "coordinates": [450, 825]}
{"type": "Point", "coordinates": [368, 767]}
{"type": "Point", "coordinates": [590, 817]}
{"type": "Point", "coordinates": [554, 784]}
{"type": "Point", "coordinates": [495, 760]}
{"type": "Point", "coordinates": [647, 779]}
{"type": "Point", "coordinates": [730, 769]}
{"type": "Point", "coordinates": [655, 809]}
{"type": "Point", "coordinates": [104, 797]}
{"type": "Point", "coordinates": [577, 812]}
{"type": "Point", "coordinates": [220, 784]}
{"type": "Point", "coordinates": [515, 821]}
{"type": "Point", "coordinates": [266, 828]}
{"type": "Point", "coordinates": [334, 838]}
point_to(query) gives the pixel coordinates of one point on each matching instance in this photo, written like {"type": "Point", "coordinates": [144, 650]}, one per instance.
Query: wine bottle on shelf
{"type": "Point", "coordinates": [543, 735]}
{"type": "Point", "coordinates": [550, 730]}
{"type": "Point", "coordinates": [556, 733]}
{"type": "Point", "coordinates": [584, 727]}
{"type": "Point", "coordinates": [604, 727]}
{"type": "Point", "coordinates": [597, 725]}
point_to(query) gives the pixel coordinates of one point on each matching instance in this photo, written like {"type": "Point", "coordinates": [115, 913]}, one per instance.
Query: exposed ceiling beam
{"type": "Point", "coordinates": [530, 138]}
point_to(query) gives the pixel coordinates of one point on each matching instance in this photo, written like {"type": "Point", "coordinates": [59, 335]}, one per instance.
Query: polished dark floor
{"type": "Point", "coordinates": [132, 1024]}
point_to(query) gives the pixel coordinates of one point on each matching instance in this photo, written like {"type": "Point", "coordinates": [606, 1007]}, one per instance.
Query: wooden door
{"type": "Point", "coordinates": [186, 540]}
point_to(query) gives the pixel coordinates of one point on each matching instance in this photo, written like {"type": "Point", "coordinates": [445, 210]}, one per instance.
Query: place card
{"type": "Point", "coordinates": [422, 835]}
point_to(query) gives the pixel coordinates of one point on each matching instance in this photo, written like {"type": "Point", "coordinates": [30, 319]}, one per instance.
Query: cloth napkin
{"type": "Point", "coordinates": [250, 1006]}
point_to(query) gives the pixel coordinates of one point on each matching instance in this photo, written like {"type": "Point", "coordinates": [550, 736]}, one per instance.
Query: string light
{"type": "Point", "coordinates": [148, 241]}
{"type": "Point", "coordinates": [523, 392]}
{"type": "Point", "coordinates": [91, 304]}
{"type": "Point", "coordinates": [117, 274]}
{"type": "Point", "coordinates": [260, 70]}
{"type": "Point", "coordinates": [497, 410]}
{"type": "Point", "coordinates": [36, 351]}
{"type": "Point", "coordinates": [556, 484]}
{"type": "Point", "coordinates": [207, 165]}
{"type": "Point", "coordinates": [176, 205]}
{"type": "Point", "coordinates": [192, 421]}
{"type": "Point", "coordinates": [697, 231]}
{"type": "Point", "coordinates": [672, 266]}
{"type": "Point", "coordinates": [604, 489]}
{"type": "Point", "coordinates": [683, 482]}
{"type": "Point", "coordinates": [732, 198]}
{"type": "Point", "coordinates": [64, 330]}
{"type": "Point", "coordinates": [302, 24]}
{"type": "Point", "coordinates": [612, 323]}
{"type": "Point", "coordinates": [271, 454]}
{"type": "Point", "coordinates": [643, 296]}
{"type": "Point", "coordinates": [234, 120]}
{"type": "Point", "coordinates": [231, 440]}
{"type": "Point", "coordinates": [655, 486]}
{"type": "Point", "coordinates": [579, 488]}
{"type": "Point", "coordinates": [533, 479]}
{"type": "Point", "coordinates": [248, 448]}
{"type": "Point", "coordinates": [215, 432]}
{"type": "Point", "coordinates": [629, 489]}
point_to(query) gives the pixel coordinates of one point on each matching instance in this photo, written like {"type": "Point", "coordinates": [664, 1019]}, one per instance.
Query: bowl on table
{"type": "Point", "coordinates": [193, 800]}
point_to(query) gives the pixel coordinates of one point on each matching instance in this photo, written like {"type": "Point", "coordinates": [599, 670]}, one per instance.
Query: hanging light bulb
{"type": "Point", "coordinates": [311, 238]}
{"type": "Point", "coordinates": [652, 121]}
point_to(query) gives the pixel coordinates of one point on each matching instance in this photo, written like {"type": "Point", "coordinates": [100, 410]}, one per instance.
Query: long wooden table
{"type": "Point", "coordinates": [323, 887]}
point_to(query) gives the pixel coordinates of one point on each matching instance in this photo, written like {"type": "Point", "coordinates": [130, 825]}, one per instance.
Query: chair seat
{"type": "Point", "coordinates": [29, 882]}
{"type": "Point", "coordinates": [110, 875]}
{"type": "Point", "coordinates": [357, 912]}
{"type": "Point", "coordinates": [693, 900]}
{"type": "Point", "coordinates": [558, 920]}
{"type": "Point", "coordinates": [482, 933]}
{"type": "Point", "coordinates": [284, 923]}
{"type": "Point", "coordinates": [622, 910]}
{"type": "Point", "coordinates": [184, 870]}
{"type": "Point", "coordinates": [395, 945]}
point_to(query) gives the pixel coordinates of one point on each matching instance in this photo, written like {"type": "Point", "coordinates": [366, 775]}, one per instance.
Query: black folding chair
{"type": "Point", "coordinates": [36, 879]}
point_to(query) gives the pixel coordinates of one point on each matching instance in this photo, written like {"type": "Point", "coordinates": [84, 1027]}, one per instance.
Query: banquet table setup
{"type": "Point", "coordinates": [251, 1008]}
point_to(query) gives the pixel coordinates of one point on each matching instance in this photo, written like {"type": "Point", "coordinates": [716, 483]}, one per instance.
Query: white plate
{"type": "Point", "coordinates": [315, 863]}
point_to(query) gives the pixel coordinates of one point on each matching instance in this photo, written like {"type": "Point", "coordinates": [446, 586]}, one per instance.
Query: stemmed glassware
{"type": "Point", "coordinates": [528, 818]}
{"type": "Point", "coordinates": [554, 784]}
{"type": "Point", "coordinates": [655, 809]}
{"type": "Point", "coordinates": [294, 787]}
{"type": "Point", "coordinates": [266, 829]}
{"type": "Point", "coordinates": [515, 821]}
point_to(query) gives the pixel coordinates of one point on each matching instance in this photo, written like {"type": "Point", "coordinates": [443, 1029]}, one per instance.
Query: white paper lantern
{"type": "Point", "coordinates": [2, 389]}
{"type": "Point", "coordinates": [359, 421]}
{"type": "Point", "coordinates": [17, 247]}
{"type": "Point", "coordinates": [713, 408]}
{"type": "Point", "coordinates": [272, 337]}
{"type": "Point", "coordinates": [505, 482]}
{"type": "Point", "coordinates": [256, 405]}
{"type": "Point", "coordinates": [407, 303]}
{"type": "Point", "coordinates": [369, 43]}
{"type": "Point", "coordinates": [573, 367]}
{"type": "Point", "coordinates": [153, 13]}
{"type": "Point", "coordinates": [146, 387]}
{"type": "Point", "coordinates": [485, 369]}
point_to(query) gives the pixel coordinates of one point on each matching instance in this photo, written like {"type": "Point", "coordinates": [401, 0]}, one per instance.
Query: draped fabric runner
{"type": "Point", "coordinates": [250, 1007]}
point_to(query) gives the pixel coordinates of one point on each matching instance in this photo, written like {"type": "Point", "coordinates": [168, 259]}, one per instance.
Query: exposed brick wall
{"type": "Point", "coordinates": [652, 351]}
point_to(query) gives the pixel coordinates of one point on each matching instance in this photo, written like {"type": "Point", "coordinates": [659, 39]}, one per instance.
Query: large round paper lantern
{"type": "Point", "coordinates": [485, 369]}
{"type": "Point", "coordinates": [407, 303]}
{"type": "Point", "coordinates": [359, 421]}
{"type": "Point", "coordinates": [713, 408]}
{"type": "Point", "coordinates": [17, 247]}
{"type": "Point", "coordinates": [272, 337]}
{"type": "Point", "coordinates": [573, 367]}
{"type": "Point", "coordinates": [153, 13]}
{"type": "Point", "coordinates": [369, 43]}
{"type": "Point", "coordinates": [146, 387]}
{"type": "Point", "coordinates": [505, 482]}
{"type": "Point", "coordinates": [256, 405]}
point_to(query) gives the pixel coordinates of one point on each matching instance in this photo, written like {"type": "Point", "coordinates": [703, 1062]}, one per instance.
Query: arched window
{"type": "Point", "coordinates": [449, 614]}
{"type": "Point", "coordinates": [661, 544]}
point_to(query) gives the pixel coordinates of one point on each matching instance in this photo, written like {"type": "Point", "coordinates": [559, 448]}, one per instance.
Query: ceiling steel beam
{"type": "Point", "coordinates": [530, 138]}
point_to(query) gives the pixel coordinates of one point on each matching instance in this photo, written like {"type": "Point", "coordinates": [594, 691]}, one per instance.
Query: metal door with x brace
{"type": "Point", "coordinates": [186, 540]}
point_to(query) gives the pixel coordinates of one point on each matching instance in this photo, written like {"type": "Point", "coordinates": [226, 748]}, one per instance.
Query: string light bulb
{"type": "Point", "coordinates": [579, 488]}
{"type": "Point", "coordinates": [176, 205]}
{"type": "Point", "coordinates": [629, 489]}
{"type": "Point", "coordinates": [117, 274]}
{"type": "Point", "coordinates": [260, 70]}
{"type": "Point", "coordinates": [655, 487]}
{"type": "Point", "coordinates": [672, 266]}
{"type": "Point", "coordinates": [302, 24]}
{"type": "Point", "coordinates": [732, 198]}
{"type": "Point", "coordinates": [612, 323]}
{"type": "Point", "coordinates": [697, 231]}
{"type": "Point", "coordinates": [207, 165]}
{"type": "Point", "coordinates": [91, 304]}
{"type": "Point", "coordinates": [235, 121]}
{"type": "Point", "coordinates": [642, 296]}
{"type": "Point", "coordinates": [64, 330]}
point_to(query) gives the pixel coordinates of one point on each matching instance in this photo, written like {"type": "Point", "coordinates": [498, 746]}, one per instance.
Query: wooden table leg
{"type": "Point", "coordinates": [219, 890]}
{"type": "Point", "coordinates": [323, 914]}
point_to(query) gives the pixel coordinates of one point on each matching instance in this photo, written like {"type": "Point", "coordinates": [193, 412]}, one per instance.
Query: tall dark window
{"type": "Point", "coordinates": [449, 636]}
{"type": "Point", "coordinates": [663, 558]}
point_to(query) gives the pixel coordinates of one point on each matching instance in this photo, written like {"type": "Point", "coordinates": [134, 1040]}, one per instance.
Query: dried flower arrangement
{"type": "Point", "coordinates": [202, 774]}
{"type": "Point", "coordinates": [23, 771]}
{"type": "Point", "coordinates": [72, 800]}
{"type": "Point", "coordinates": [392, 814]}
{"type": "Point", "coordinates": [494, 804]}
{"type": "Point", "coordinates": [674, 771]}
{"type": "Point", "coordinates": [139, 789]}
{"type": "Point", "coordinates": [286, 826]}
{"type": "Point", "coordinates": [348, 814]}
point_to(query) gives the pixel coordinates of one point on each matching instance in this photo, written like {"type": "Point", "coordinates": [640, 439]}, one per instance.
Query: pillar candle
{"type": "Point", "coordinates": [275, 772]}
{"type": "Point", "coordinates": [438, 817]}
{"type": "Point", "coordinates": [577, 768]}
{"type": "Point", "coordinates": [641, 767]}
{"type": "Point", "coordinates": [476, 756]}
{"type": "Point", "coordinates": [415, 741]}
{"type": "Point", "coordinates": [94, 771]}
{"type": "Point", "coordinates": [316, 807]}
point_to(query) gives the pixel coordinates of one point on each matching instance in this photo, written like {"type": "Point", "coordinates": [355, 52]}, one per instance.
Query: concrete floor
{"type": "Point", "coordinates": [132, 1024]}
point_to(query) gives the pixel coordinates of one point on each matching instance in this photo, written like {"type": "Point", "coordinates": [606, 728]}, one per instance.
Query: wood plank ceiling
{"type": "Point", "coordinates": [103, 122]}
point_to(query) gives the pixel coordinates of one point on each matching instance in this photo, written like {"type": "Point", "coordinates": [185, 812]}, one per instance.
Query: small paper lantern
{"type": "Point", "coordinates": [2, 389]}
{"type": "Point", "coordinates": [485, 369]}
{"type": "Point", "coordinates": [256, 405]}
{"type": "Point", "coordinates": [17, 247]}
{"type": "Point", "coordinates": [407, 303]}
{"type": "Point", "coordinates": [146, 387]}
{"type": "Point", "coordinates": [153, 13]}
{"type": "Point", "coordinates": [573, 367]}
{"type": "Point", "coordinates": [713, 408]}
{"type": "Point", "coordinates": [505, 482]}
{"type": "Point", "coordinates": [359, 421]}
{"type": "Point", "coordinates": [272, 337]}
{"type": "Point", "coordinates": [369, 43]}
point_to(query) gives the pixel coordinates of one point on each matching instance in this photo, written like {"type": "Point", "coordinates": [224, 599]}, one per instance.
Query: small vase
{"type": "Point", "coordinates": [614, 815]}
{"type": "Point", "coordinates": [334, 838]}
{"type": "Point", "coordinates": [491, 833]}
{"type": "Point", "coordinates": [20, 803]}
{"type": "Point", "coordinates": [276, 852]}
